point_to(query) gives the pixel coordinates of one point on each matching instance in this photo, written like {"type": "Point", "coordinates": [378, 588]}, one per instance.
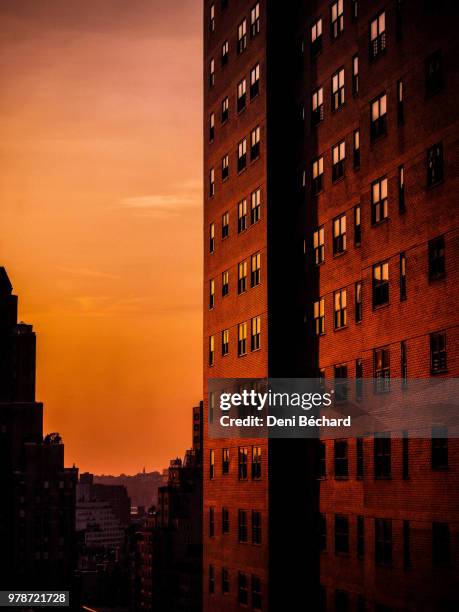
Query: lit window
{"type": "Point", "coordinates": [242, 277]}
{"type": "Point", "coordinates": [241, 95]}
{"type": "Point", "coordinates": [242, 36]}
{"type": "Point", "coordinates": [378, 121]}
{"type": "Point", "coordinates": [319, 245]}
{"type": "Point", "coordinates": [317, 106]}
{"type": "Point", "coordinates": [337, 19]}
{"type": "Point", "coordinates": [379, 206]}
{"type": "Point", "coordinates": [316, 37]}
{"type": "Point", "coordinates": [340, 308]}
{"type": "Point", "coordinates": [356, 143]}
{"type": "Point", "coordinates": [402, 276]}
{"type": "Point", "coordinates": [255, 334]}
{"type": "Point", "coordinates": [437, 262]}
{"type": "Point", "coordinates": [255, 268]}
{"type": "Point", "coordinates": [212, 18]}
{"type": "Point", "coordinates": [212, 72]}
{"type": "Point", "coordinates": [255, 143]}
{"type": "Point", "coordinates": [358, 301]}
{"type": "Point", "coordinates": [225, 470]}
{"type": "Point", "coordinates": [435, 165]}
{"type": "Point", "coordinates": [338, 89]}
{"type": "Point", "coordinates": [225, 53]}
{"type": "Point", "coordinates": [211, 237]}
{"type": "Point", "coordinates": [357, 226]}
{"type": "Point", "coordinates": [242, 155]}
{"type": "Point", "coordinates": [211, 182]}
{"type": "Point", "coordinates": [255, 81]}
{"type": "Point", "coordinates": [255, 20]}
{"type": "Point", "coordinates": [225, 283]}
{"type": "Point", "coordinates": [225, 224]}
{"type": "Point", "coordinates": [378, 35]}
{"type": "Point", "coordinates": [317, 175]}
{"type": "Point", "coordinates": [319, 317]}
{"type": "Point", "coordinates": [338, 159]}
{"type": "Point", "coordinates": [255, 206]}
{"type": "Point", "coordinates": [211, 350]}
{"type": "Point", "coordinates": [211, 293]}
{"type": "Point", "coordinates": [225, 110]}
{"type": "Point", "coordinates": [355, 75]}
{"type": "Point", "coordinates": [339, 234]}
{"type": "Point", "coordinates": [380, 284]}
{"type": "Point", "coordinates": [211, 464]}
{"type": "Point", "coordinates": [242, 216]}
{"type": "Point", "coordinates": [211, 127]}
{"type": "Point", "coordinates": [401, 189]}
{"type": "Point", "coordinates": [242, 341]}
{"type": "Point", "coordinates": [225, 167]}
{"type": "Point", "coordinates": [225, 342]}
{"type": "Point", "coordinates": [256, 462]}
{"type": "Point", "coordinates": [242, 462]}
{"type": "Point", "coordinates": [400, 109]}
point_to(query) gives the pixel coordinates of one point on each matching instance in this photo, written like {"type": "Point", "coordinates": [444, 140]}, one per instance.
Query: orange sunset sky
{"type": "Point", "coordinates": [100, 218]}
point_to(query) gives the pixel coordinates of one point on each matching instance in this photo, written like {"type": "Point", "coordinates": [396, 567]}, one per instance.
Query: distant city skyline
{"type": "Point", "coordinates": [100, 219]}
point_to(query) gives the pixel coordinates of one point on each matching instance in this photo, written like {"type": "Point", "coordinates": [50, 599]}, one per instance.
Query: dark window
{"type": "Point", "coordinates": [379, 205]}
{"type": "Point", "coordinates": [338, 160]}
{"type": "Point", "coordinates": [243, 589]}
{"type": "Point", "coordinates": [381, 367]}
{"type": "Point", "coordinates": [438, 352]}
{"type": "Point", "coordinates": [256, 462]}
{"type": "Point", "coordinates": [225, 580]}
{"type": "Point", "coordinates": [402, 276]}
{"type": "Point", "coordinates": [242, 462]}
{"type": "Point", "coordinates": [439, 448]}
{"type": "Point", "coordinates": [360, 537]}
{"type": "Point", "coordinates": [225, 520]}
{"type": "Point", "coordinates": [434, 74]}
{"type": "Point", "coordinates": [441, 554]}
{"type": "Point", "coordinates": [211, 580]}
{"type": "Point", "coordinates": [405, 456]}
{"type": "Point", "coordinates": [356, 143]}
{"type": "Point", "coordinates": [316, 37]}
{"type": "Point", "coordinates": [337, 89]}
{"type": "Point", "coordinates": [380, 284]}
{"type": "Point", "coordinates": [211, 464]}
{"type": "Point", "coordinates": [225, 460]}
{"type": "Point", "coordinates": [361, 604]}
{"type": "Point", "coordinates": [341, 383]}
{"type": "Point", "coordinates": [340, 308]}
{"type": "Point", "coordinates": [339, 234]}
{"type": "Point", "coordinates": [341, 601]}
{"type": "Point", "coordinates": [378, 35]}
{"type": "Point", "coordinates": [321, 460]}
{"type": "Point", "coordinates": [399, 20]}
{"type": "Point", "coordinates": [211, 522]}
{"type": "Point", "coordinates": [382, 455]}
{"type": "Point", "coordinates": [224, 4]}
{"type": "Point", "coordinates": [357, 226]}
{"type": "Point", "coordinates": [435, 165]}
{"type": "Point", "coordinates": [359, 458]}
{"type": "Point", "coordinates": [400, 107]}
{"type": "Point", "coordinates": [256, 527]}
{"type": "Point", "coordinates": [404, 362]}
{"type": "Point", "coordinates": [225, 53]}
{"type": "Point", "coordinates": [406, 544]}
{"type": "Point", "coordinates": [437, 268]}
{"type": "Point", "coordinates": [358, 302]}
{"type": "Point", "coordinates": [317, 175]}
{"type": "Point", "coordinates": [341, 459]}
{"type": "Point", "coordinates": [383, 541]}
{"type": "Point", "coordinates": [336, 19]}
{"type": "Point", "coordinates": [242, 525]}
{"type": "Point", "coordinates": [354, 9]}
{"type": "Point", "coordinates": [322, 532]}
{"type": "Point", "coordinates": [378, 117]}
{"type": "Point", "coordinates": [256, 593]}
{"type": "Point", "coordinates": [341, 533]}
{"type": "Point", "coordinates": [401, 189]}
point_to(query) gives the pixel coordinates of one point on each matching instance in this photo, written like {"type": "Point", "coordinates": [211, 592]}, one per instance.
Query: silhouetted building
{"type": "Point", "coordinates": [115, 495]}
{"type": "Point", "coordinates": [331, 249]}
{"type": "Point", "coordinates": [37, 522]}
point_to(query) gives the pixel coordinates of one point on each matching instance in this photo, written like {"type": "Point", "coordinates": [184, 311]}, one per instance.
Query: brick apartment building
{"type": "Point", "coordinates": [330, 249]}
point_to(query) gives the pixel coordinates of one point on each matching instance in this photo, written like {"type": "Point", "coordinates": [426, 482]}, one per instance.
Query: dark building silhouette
{"type": "Point", "coordinates": [331, 250]}
{"type": "Point", "coordinates": [37, 520]}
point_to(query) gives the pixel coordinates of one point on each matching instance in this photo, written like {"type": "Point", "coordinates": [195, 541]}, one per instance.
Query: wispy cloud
{"type": "Point", "coordinates": [161, 206]}
{"type": "Point", "coordinates": [87, 273]}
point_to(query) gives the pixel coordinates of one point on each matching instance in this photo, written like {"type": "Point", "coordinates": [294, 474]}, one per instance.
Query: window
{"type": "Point", "coordinates": [404, 362]}
{"type": "Point", "coordinates": [354, 9]}
{"type": "Point", "coordinates": [435, 165]}
{"type": "Point", "coordinates": [319, 317]}
{"type": "Point", "coordinates": [439, 448]}
{"type": "Point", "coordinates": [225, 520]}
{"type": "Point", "coordinates": [338, 89]}
{"type": "Point", "coordinates": [225, 461]}
{"type": "Point", "coordinates": [322, 532]}
{"type": "Point", "coordinates": [255, 143]}
{"type": "Point", "coordinates": [242, 589]}
{"type": "Point", "coordinates": [212, 72]}
{"type": "Point", "coordinates": [255, 270]}
{"type": "Point", "coordinates": [401, 189]}
{"type": "Point", "coordinates": [359, 391]}
{"type": "Point", "coordinates": [341, 534]}
{"type": "Point", "coordinates": [316, 37]}
{"type": "Point", "coordinates": [317, 175]}
{"type": "Point", "coordinates": [255, 81]}
{"type": "Point", "coordinates": [211, 464]}
{"type": "Point", "coordinates": [224, 4]}
{"type": "Point", "coordinates": [225, 110]}
{"type": "Point", "coordinates": [438, 352]}
{"type": "Point", "coordinates": [340, 308]}
{"type": "Point", "coordinates": [441, 553]}
{"type": "Point", "coordinates": [242, 462]}
{"type": "Point", "coordinates": [406, 544]}
{"type": "Point", "coordinates": [241, 95]}
{"type": "Point", "coordinates": [337, 19]}
{"type": "Point", "coordinates": [225, 283]}
{"type": "Point", "coordinates": [340, 387]}
{"type": "Point", "coordinates": [242, 525]}
{"type": "Point", "coordinates": [255, 20]}
{"type": "Point", "coordinates": [211, 350]}
{"type": "Point", "coordinates": [434, 74]}
{"type": "Point", "coordinates": [405, 456]}
{"type": "Point", "coordinates": [378, 121]}
{"type": "Point", "coordinates": [225, 53]}
{"type": "Point", "coordinates": [255, 334]}
{"type": "Point", "coordinates": [355, 75]}
{"type": "Point", "coordinates": [378, 35]}
{"type": "Point", "coordinates": [383, 541]}
{"type": "Point", "coordinates": [317, 102]}
{"type": "Point", "coordinates": [402, 276]}
{"type": "Point", "coordinates": [211, 293]}
{"type": "Point", "coordinates": [437, 268]}
{"type": "Point", "coordinates": [338, 159]}
{"type": "Point", "coordinates": [225, 167]}
{"type": "Point", "coordinates": [256, 462]}
{"type": "Point", "coordinates": [225, 580]}
{"type": "Point", "coordinates": [256, 527]}
{"type": "Point", "coordinates": [382, 455]}
{"type": "Point", "coordinates": [359, 458]}
{"type": "Point", "coordinates": [212, 18]}
{"type": "Point", "coordinates": [341, 601]}
{"type": "Point", "coordinates": [321, 460]}
{"type": "Point", "coordinates": [225, 225]}
{"type": "Point", "coordinates": [356, 143]}
{"type": "Point", "coordinates": [379, 207]}
{"type": "Point", "coordinates": [399, 20]}
{"type": "Point", "coordinates": [357, 226]}
{"type": "Point", "coordinates": [358, 301]}
{"type": "Point", "coordinates": [319, 245]}
{"type": "Point", "coordinates": [381, 369]}
{"type": "Point", "coordinates": [211, 580]}
{"type": "Point", "coordinates": [339, 234]}
{"type": "Point", "coordinates": [225, 342]}
{"type": "Point", "coordinates": [242, 339]}
{"type": "Point", "coordinates": [341, 459]}
{"type": "Point", "coordinates": [242, 36]}
{"type": "Point", "coordinates": [242, 277]}
{"type": "Point", "coordinates": [242, 216]}
{"type": "Point", "coordinates": [255, 206]}
{"type": "Point", "coordinates": [360, 537]}
{"type": "Point", "coordinates": [211, 182]}
{"type": "Point", "coordinates": [400, 109]}
{"type": "Point", "coordinates": [211, 522]}
{"type": "Point", "coordinates": [211, 127]}
{"type": "Point", "coordinates": [256, 593]}
{"type": "Point", "coordinates": [242, 155]}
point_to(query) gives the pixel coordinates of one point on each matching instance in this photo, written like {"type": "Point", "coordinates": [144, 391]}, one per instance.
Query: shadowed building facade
{"type": "Point", "coordinates": [330, 249]}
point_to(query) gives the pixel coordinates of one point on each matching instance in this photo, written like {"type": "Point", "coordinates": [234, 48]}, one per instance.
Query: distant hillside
{"type": "Point", "coordinates": [142, 488]}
